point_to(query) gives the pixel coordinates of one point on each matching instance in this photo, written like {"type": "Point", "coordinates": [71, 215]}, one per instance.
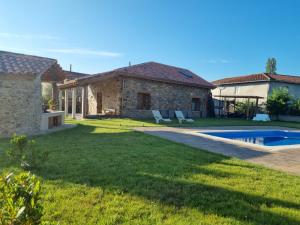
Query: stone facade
{"type": "Point", "coordinates": [110, 90]}
{"type": "Point", "coordinates": [20, 104]}
{"type": "Point", "coordinates": [121, 94]}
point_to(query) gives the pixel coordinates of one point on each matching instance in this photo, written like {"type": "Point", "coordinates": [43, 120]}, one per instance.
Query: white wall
{"type": "Point", "coordinates": [253, 89]}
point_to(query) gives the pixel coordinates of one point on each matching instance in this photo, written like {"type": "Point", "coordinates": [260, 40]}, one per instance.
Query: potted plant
{"type": "Point", "coordinates": [51, 104]}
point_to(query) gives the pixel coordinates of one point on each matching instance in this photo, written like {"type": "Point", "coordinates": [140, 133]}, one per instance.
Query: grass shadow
{"type": "Point", "coordinates": [157, 170]}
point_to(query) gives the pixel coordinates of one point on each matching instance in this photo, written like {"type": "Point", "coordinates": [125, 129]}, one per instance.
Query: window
{"type": "Point", "coordinates": [196, 104]}
{"type": "Point", "coordinates": [143, 101]}
{"type": "Point", "coordinates": [186, 73]}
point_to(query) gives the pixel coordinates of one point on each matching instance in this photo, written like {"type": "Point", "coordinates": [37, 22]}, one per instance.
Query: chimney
{"type": "Point", "coordinates": [70, 67]}
{"type": "Point", "coordinates": [129, 63]}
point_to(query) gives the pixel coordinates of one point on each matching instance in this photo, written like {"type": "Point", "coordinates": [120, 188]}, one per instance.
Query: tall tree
{"type": "Point", "coordinates": [271, 66]}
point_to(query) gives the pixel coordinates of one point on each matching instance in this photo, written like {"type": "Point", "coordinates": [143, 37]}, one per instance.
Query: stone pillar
{"type": "Point", "coordinates": [83, 102]}
{"type": "Point", "coordinates": [60, 100]}
{"type": "Point", "coordinates": [66, 102]}
{"type": "Point", "coordinates": [74, 102]}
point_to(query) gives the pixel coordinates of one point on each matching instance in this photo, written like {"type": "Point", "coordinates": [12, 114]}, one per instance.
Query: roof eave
{"type": "Point", "coordinates": [241, 82]}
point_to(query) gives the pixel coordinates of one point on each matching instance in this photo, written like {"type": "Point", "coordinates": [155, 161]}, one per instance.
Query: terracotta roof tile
{"type": "Point", "coordinates": [285, 78]}
{"type": "Point", "coordinates": [260, 77]}
{"type": "Point", "coordinates": [19, 63]}
{"type": "Point", "coordinates": [162, 72]}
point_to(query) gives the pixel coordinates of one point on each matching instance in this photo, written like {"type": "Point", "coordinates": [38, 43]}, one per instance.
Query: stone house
{"type": "Point", "coordinates": [134, 91]}
{"type": "Point", "coordinates": [20, 91]}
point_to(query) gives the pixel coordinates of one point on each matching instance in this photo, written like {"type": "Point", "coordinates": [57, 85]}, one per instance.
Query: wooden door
{"type": "Point", "coordinates": [99, 102]}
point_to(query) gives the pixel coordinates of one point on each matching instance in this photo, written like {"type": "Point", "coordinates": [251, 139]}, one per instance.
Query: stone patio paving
{"type": "Point", "coordinates": [287, 160]}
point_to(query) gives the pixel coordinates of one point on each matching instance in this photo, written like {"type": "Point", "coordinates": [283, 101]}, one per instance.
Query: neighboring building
{"type": "Point", "coordinates": [135, 90]}
{"type": "Point", "coordinates": [20, 91]}
{"type": "Point", "coordinates": [260, 84]}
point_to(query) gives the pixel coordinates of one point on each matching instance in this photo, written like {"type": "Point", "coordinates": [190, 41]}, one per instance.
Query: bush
{"type": "Point", "coordinates": [295, 107]}
{"type": "Point", "coordinates": [278, 101]}
{"type": "Point", "coordinates": [241, 108]}
{"type": "Point", "coordinates": [23, 152]}
{"type": "Point", "coordinates": [20, 202]}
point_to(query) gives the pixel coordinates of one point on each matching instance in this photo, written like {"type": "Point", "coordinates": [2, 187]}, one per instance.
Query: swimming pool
{"type": "Point", "coordinates": [265, 137]}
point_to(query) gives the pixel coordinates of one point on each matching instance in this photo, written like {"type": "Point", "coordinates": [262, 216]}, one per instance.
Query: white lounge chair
{"type": "Point", "coordinates": [181, 117]}
{"type": "Point", "coordinates": [261, 117]}
{"type": "Point", "coordinates": [158, 117]}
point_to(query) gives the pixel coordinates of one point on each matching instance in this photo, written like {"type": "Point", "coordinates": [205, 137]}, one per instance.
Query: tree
{"type": "Point", "coordinates": [278, 101]}
{"type": "Point", "coordinates": [271, 66]}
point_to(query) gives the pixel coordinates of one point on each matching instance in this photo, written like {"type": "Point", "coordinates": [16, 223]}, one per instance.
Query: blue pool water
{"type": "Point", "coordinates": [266, 137]}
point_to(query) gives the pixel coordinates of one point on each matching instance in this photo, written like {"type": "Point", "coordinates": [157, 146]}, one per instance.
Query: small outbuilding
{"type": "Point", "coordinates": [21, 78]}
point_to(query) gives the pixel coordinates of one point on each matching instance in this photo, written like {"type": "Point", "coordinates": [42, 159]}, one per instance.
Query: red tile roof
{"type": "Point", "coordinates": [15, 63]}
{"type": "Point", "coordinates": [155, 71]}
{"type": "Point", "coordinates": [285, 78]}
{"type": "Point", "coordinates": [260, 77]}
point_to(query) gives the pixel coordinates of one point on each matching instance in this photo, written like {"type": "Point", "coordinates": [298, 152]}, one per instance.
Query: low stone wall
{"type": "Point", "coordinates": [20, 104]}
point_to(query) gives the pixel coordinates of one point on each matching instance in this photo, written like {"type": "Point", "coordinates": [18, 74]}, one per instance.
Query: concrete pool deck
{"type": "Point", "coordinates": [285, 158]}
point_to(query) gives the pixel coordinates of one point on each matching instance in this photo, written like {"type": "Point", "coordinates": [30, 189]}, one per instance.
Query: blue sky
{"type": "Point", "coordinates": [214, 39]}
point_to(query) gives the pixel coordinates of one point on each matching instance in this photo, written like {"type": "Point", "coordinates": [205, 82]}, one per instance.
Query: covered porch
{"type": "Point", "coordinates": [78, 101]}
{"type": "Point", "coordinates": [227, 104]}
{"type": "Point", "coordinates": [91, 97]}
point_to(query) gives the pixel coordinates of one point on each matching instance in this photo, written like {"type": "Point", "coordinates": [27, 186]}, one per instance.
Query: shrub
{"type": "Point", "coordinates": [241, 108]}
{"type": "Point", "coordinates": [24, 153]}
{"type": "Point", "coordinates": [20, 202]}
{"type": "Point", "coordinates": [295, 107]}
{"type": "Point", "coordinates": [278, 101]}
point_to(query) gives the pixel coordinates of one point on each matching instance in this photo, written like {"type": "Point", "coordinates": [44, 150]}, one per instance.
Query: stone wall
{"type": "Point", "coordinates": [20, 104]}
{"type": "Point", "coordinates": [110, 90]}
{"type": "Point", "coordinates": [164, 96]}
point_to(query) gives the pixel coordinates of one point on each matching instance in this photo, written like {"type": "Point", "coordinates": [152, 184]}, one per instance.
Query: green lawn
{"type": "Point", "coordinates": [102, 172]}
{"type": "Point", "coordinates": [129, 123]}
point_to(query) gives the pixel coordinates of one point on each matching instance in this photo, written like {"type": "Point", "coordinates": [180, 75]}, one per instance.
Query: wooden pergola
{"type": "Point", "coordinates": [234, 97]}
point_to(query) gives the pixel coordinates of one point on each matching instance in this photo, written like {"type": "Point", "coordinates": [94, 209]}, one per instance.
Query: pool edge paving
{"type": "Point", "coordinates": [282, 158]}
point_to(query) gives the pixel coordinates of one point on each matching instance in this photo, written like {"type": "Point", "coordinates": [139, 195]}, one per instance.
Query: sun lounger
{"type": "Point", "coordinates": [261, 117]}
{"type": "Point", "coordinates": [181, 117]}
{"type": "Point", "coordinates": [158, 117]}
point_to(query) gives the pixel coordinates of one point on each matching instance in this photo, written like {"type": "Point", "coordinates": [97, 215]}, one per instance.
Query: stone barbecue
{"type": "Point", "coordinates": [20, 91]}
